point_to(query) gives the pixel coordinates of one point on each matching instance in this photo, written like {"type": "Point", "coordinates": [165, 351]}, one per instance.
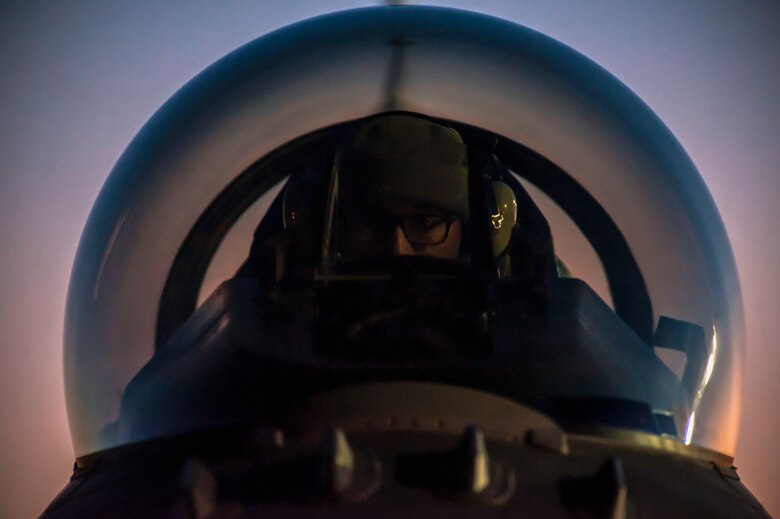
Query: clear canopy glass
{"type": "Point", "coordinates": [649, 337]}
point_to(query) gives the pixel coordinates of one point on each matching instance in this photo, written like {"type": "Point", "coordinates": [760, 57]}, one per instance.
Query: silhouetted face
{"type": "Point", "coordinates": [402, 191]}
{"type": "Point", "coordinates": [399, 228]}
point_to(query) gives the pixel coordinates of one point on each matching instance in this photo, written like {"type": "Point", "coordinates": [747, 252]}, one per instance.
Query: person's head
{"type": "Point", "coordinates": [403, 190]}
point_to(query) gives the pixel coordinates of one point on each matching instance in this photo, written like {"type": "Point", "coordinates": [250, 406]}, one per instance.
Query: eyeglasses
{"type": "Point", "coordinates": [419, 229]}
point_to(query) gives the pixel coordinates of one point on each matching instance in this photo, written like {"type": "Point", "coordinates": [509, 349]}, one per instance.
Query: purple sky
{"type": "Point", "coordinates": [79, 80]}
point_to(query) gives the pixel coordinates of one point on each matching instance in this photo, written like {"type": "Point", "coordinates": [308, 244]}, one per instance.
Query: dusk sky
{"type": "Point", "coordinates": [79, 79]}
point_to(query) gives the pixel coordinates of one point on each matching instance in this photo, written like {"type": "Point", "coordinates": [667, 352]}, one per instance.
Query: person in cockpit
{"type": "Point", "coordinates": [397, 191]}
{"type": "Point", "coordinates": [403, 191]}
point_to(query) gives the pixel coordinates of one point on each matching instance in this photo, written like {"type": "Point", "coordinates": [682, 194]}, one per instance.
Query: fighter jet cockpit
{"type": "Point", "coordinates": [403, 248]}
{"type": "Point", "coordinates": [386, 222]}
{"type": "Point", "coordinates": [417, 245]}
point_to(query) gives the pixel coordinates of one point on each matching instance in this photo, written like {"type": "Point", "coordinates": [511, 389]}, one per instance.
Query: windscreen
{"type": "Point", "coordinates": [485, 207]}
{"type": "Point", "coordinates": [403, 260]}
